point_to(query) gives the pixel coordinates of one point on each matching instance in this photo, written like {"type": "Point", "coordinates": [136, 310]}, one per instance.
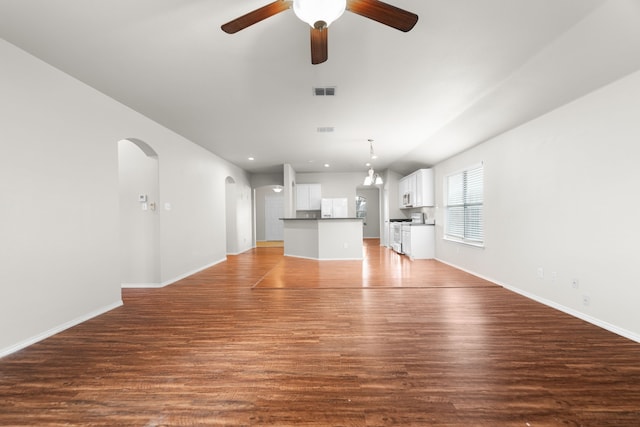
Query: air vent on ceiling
{"type": "Point", "coordinates": [326, 129]}
{"type": "Point", "coordinates": [324, 91]}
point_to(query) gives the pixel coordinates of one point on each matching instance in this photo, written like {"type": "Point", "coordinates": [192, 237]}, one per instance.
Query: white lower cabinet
{"type": "Point", "coordinates": [418, 241]}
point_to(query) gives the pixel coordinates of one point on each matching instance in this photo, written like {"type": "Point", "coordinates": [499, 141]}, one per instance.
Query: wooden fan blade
{"type": "Point", "coordinates": [256, 16]}
{"type": "Point", "coordinates": [386, 14]}
{"type": "Point", "coordinates": [319, 45]}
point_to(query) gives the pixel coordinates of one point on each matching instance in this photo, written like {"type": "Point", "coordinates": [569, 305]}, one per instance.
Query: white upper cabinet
{"type": "Point", "coordinates": [308, 197]}
{"type": "Point", "coordinates": [407, 190]}
{"type": "Point", "coordinates": [424, 187]}
{"type": "Point", "coordinates": [416, 190]}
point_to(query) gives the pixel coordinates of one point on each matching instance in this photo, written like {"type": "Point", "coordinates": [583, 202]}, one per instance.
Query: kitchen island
{"type": "Point", "coordinates": [323, 238]}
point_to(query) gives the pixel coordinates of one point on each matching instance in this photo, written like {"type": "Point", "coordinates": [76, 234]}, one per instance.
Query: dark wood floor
{"type": "Point", "coordinates": [264, 340]}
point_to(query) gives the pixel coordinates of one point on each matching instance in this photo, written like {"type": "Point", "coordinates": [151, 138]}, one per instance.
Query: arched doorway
{"type": "Point", "coordinates": [369, 208]}
{"type": "Point", "coordinates": [139, 214]}
{"type": "Point", "coordinates": [269, 203]}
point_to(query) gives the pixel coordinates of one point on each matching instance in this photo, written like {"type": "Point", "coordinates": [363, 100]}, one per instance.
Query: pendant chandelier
{"type": "Point", "coordinates": [372, 177]}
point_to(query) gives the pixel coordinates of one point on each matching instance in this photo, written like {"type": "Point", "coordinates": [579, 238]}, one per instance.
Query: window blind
{"type": "Point", "coordinates": [464, 219]}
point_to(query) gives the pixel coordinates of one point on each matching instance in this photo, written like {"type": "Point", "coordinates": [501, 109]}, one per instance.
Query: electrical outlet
{"type": "Point", "coordinates": [586, 300]}
{"type": "Point", "coordinates": [540, 273]}
{"type": "Point", "coordinates": [575, 283]}
{"type": "Point", "coordinates": [554, 276]}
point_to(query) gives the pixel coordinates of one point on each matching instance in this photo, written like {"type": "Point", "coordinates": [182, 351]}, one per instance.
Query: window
{"type": "Point", "coordinates": [361, 208]}
{"type": "Point", "coordinates": [464, 222]}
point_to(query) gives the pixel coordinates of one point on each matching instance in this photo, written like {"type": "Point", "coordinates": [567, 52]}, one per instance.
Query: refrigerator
{"type": "Point", "coordinates": [334, 208]}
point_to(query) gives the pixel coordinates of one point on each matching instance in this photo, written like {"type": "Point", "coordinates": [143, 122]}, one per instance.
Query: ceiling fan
{"type": "Point", "coordinates": [321, 13]}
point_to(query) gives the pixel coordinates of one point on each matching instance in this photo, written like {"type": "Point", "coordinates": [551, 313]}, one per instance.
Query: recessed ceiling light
{"type": "Point", "coordinates": [367, 164]}
{"type": "Point", "coordinates": [326, 165]}
{"type": "Point", "coordinates": [251, 158]}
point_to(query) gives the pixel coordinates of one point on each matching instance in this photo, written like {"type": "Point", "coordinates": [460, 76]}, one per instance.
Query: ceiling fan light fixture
{"type": "Point", "coordinates": [319, 12]}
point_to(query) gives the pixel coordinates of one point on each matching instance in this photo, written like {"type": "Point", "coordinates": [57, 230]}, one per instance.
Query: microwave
{"type": "Point", "coordinates": [406, 200]}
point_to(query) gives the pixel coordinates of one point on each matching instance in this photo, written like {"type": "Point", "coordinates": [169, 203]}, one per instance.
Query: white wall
{"type": "Point", "coordinates": [289, 178]}
{"type": "Point", "coordinates": [192, 180]}
{"type": "Point", "coordinates": [335, 185]}
{"type": "Point", "coordinates": [561, 193]}
{"type": "Point", "coordinates": [372, 227]}
{"type": "Point", "coordinates": [391, 184]}
{"type": "Point", "coordinates": [263, 185]}
{"type": "Point", "coordinates": [231, 218]}
{"type": "Point", "coordinates": [267, 179]}
{"type": "Point", "coordinates": [59, 217]}
{"type": "Point", "coordinates": [239, 217]}
{"type": "Point", "coordinates": [139, 228]}
{"type": "Point", "coordinates": [59, 210]}
{"type": "Point", "coordinates": [261, 195]}
{"type": "Point", "coordinates": [389, 202]}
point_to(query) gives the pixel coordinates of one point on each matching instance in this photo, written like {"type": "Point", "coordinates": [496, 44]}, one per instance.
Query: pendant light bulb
{"type": "Point", "coordinates": [372, 153]}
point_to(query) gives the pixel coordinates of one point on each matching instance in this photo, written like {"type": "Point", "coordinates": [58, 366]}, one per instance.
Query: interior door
{"type": "Point", "coordinates": [273, 211]}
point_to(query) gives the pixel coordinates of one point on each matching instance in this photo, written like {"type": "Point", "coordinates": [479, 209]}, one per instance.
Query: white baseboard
{"type": "Point", "coordinates": [570, 311]}
{"type": "Point", "coordinates": [575, 313]}
{"type": "Point", "coordinates": [140, 285]}
{"type": "Point", "coordinates": [55, 330]}
{"type": "Point", "coordinates": [324, 259]}
{"type": "Point", "coordinates": [170, 281]}
{"type": "Point", "coordinates": [245, 250]}
{"type": "Point", "coordinates": [189, 273]}
{"type": "Point", "coordinates": [300, 256]}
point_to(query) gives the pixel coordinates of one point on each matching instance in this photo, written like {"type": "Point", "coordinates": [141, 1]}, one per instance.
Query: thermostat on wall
{"type": "Point", "coordinates": [142, 198]}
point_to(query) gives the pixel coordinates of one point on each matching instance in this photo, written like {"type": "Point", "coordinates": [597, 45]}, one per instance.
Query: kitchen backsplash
{"type": "Point", "coordinates": [429, 213]}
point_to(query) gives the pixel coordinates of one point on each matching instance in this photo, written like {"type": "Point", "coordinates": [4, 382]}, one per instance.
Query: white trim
{"type": "Point", "coordinates": [300, 256]}
{"type": "Point", "coordinates": [463, 241]}
{"type": "Point", "coordinates": [246, 250]}
{"type": "Point", "coordinates": [140, 285]}
{"type": "Point", "coordinates": [170, 281]}
{"type": "Point", "coordinates": [57, 329]}
{"type": "Point", "coordinates": [324, 259]}
{"type": "Point", "coordinates": [570, 311]}
{"type": "Point", "coordinates": [192, 272]}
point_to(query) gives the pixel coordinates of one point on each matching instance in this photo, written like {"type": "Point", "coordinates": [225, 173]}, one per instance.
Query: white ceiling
{"type": "Point", "coordinates": [469, 70]}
